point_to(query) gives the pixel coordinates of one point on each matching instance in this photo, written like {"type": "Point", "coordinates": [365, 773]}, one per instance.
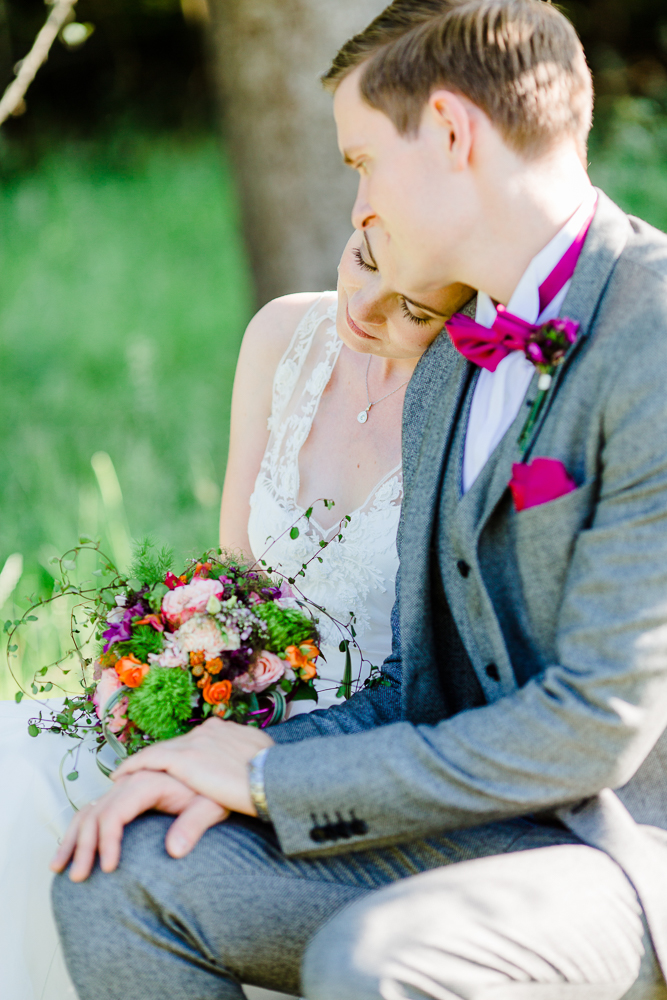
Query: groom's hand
{"type": "Point", "coordinates": [212, 760]}
{"type": "Point", "coordinates": [99, 826]}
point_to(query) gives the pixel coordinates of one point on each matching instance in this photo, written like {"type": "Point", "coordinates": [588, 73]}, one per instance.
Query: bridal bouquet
{"type": "Point", "coordinates": [218, 639]}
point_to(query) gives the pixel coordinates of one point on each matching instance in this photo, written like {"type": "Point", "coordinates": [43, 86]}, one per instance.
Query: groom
{"type": "Point", "coordinates": [452, 832]}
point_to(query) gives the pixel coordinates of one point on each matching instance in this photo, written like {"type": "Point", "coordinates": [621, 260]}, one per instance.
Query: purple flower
{"type": "Point", "coordinates": [549, 343]}
{"type": "Point", "coordinates": [272, 592]}
{"type": "Point", "coordinates": [568, 327]}
{"type": "Point", "coordinates": [122, 631]}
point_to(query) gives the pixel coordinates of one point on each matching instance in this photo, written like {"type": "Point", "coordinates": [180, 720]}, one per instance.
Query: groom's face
{"type": "Point", "coordinates": [408, 190]}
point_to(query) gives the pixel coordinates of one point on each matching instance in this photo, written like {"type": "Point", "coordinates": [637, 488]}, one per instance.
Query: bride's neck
{"type": "Point", "coordinates": [392, 369]}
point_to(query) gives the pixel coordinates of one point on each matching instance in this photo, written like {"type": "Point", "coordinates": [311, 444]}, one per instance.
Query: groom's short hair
{"type": "Point", "coordinates": [520, 61]}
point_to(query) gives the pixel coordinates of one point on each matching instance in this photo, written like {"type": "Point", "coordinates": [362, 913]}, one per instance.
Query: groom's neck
{"type": "Point", "coordinates": [522, 205]}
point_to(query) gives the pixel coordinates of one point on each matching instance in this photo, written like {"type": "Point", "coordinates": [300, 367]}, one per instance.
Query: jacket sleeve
{"type": "Point", "coordinates": [587, 722]}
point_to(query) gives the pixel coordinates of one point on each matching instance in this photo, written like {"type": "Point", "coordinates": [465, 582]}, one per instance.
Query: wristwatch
{"type": "Point", "coordinates": [256, 779]}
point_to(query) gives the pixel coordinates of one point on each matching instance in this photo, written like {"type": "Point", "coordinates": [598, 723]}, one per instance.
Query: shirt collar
{"type": "Point", "coordinates": [525, 301]}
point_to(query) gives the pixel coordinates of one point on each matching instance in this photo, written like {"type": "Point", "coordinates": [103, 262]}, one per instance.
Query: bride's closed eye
{"type": "Point", "coordinates": [363, 264]}
{"type": "Point", "coordinates": [419, 320]}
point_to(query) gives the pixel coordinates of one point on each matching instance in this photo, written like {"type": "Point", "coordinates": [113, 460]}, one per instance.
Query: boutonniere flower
{"type": "Point", "coordinates": [546, 347]}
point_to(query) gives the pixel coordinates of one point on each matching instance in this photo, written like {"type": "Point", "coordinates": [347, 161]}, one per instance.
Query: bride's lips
{"type": "Point", "coordinates": [357, 329]}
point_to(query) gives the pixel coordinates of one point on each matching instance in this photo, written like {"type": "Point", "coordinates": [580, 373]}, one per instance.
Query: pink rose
{"type": "Point", "coordinates": [266, 670]}
{"type": "Point", "coordinates": [201, 634]}
{"type": "Point", "coordinates": [182, 603]}
{"type": "Point", "coordinates": [108, 684]}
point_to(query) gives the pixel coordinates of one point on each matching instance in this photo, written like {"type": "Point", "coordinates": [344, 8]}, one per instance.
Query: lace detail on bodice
{"type": "Point", "coordinates": [353, 578]}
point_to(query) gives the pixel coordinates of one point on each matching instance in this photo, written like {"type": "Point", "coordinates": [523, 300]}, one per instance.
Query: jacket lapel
{"type": "Point", "coordinates": [445, 374]}
{"type": "Point", "coordinates": [604, 244]}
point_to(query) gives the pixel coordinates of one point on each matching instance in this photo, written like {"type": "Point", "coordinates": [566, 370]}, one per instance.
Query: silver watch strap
{"type": "Point", "coordinates": [256, 779]}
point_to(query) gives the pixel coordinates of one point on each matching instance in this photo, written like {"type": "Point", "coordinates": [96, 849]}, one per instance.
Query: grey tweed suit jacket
{"type": "Point", "coordinates": [568, 599]}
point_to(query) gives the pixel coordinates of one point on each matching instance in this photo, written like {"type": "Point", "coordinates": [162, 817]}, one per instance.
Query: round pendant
{"type": "Point", "coordinates": [363, 417]}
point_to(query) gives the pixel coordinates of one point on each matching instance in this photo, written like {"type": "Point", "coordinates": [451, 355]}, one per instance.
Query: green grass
{"type": "Point", "coordinates": [628, 157]}
{"type": "Point", "coordinates": [124, 292]}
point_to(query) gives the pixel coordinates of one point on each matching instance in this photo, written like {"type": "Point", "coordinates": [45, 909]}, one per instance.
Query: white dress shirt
{"type": "Point", "coordinates": [498, 395]}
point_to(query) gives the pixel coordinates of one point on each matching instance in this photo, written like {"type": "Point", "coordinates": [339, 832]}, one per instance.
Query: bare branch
{"type": "Point", "coordinates": [38, 54]}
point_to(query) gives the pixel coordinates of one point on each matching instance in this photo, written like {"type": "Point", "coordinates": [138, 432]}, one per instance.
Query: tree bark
{"type": "Point", "coordinates": [296, 195]}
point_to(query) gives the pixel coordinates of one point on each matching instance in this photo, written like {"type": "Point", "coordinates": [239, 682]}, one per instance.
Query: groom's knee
{"type": "Point", "coordinates": [94, 911]}
{"type": "Point", "coordinates": [338, 963]}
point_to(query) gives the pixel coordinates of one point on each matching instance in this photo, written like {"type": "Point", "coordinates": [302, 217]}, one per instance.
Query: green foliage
{"type": "Point", "coordinates": [628, 155]}
{"type": "Point", "coordinates": [163, 703]}
{"type": "Point", "coordinates": [151, 566]}
{"type": "Point", "coordinates": [124, 293]}
{"type": "Point", "coordinates": [286, 626]}
{"type": "Point", "coordinates": [145, 639]}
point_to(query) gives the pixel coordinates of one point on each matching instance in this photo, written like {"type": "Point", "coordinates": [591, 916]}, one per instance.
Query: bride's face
{"type": "Point", "coordinates": [375, 319]}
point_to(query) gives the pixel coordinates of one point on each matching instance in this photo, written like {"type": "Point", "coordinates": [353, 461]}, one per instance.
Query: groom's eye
{"type": "Point", "coordinates": [363, 264]}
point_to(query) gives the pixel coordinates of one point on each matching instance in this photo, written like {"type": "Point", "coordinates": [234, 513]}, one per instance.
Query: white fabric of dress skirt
{"type": "Point", "coordinates": [34, 816]}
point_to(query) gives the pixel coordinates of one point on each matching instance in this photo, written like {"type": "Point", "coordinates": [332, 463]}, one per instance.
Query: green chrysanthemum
{"type": "Point", "coordinates": [163, 702]}
{"type": "Point", "coordinates": [286, 626]}
{"type": "Point", "coordinates": [144, 640]}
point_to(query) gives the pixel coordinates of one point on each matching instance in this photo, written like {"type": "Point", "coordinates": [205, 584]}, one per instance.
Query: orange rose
{"type": "Point", "coordinates": [219, 692]}
{"type": "Point", "coordinates": [300, 659]}
{"type": "Point", "coordinates": [214, 666]}
{"type": "Point", "coordinates": [309, 671]}
{"type": "Point", "coordinates": [197, 659]}
{"type": "Point", "coordinates": [131, 670]}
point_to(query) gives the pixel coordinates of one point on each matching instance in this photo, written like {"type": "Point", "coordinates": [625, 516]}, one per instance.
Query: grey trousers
{"type": "Point", "coordinates": [509, 910]}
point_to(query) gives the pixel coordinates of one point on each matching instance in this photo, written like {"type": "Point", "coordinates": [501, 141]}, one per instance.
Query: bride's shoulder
{"type": "Point", "coordinates": [270, 331]}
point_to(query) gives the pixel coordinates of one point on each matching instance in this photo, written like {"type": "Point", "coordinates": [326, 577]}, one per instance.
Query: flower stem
{"type": "Point", "coordinates": [532, 419]}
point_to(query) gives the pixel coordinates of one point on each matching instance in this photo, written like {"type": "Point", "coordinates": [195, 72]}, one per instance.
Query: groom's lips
{"type": "Point", "coordinates": [357, 329]}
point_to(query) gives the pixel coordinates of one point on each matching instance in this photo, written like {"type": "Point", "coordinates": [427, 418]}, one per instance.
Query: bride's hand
{"type": "Point", "coordinates": [212, 760]}
{"type": "Point", "coordinates": [99, 826]}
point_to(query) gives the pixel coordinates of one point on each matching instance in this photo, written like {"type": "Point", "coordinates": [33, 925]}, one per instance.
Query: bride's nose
{"type": "Point", "coordinates": [368, 305]}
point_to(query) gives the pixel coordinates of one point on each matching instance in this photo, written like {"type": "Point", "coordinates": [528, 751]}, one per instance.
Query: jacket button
{"type": "Point", "coordinates": [357, 826]}
{"type": "Point", "coordinates": [330, 829]}
{"type": "Point", "coordinates": [463, 568]}
{"type": "Point", "coordinates": [492, 672]}
{"type": "Point", "coordinates": [343, 828]}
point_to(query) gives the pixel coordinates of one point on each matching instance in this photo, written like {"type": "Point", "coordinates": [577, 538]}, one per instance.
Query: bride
{"type": "Point", "coordinates": [316, 414]}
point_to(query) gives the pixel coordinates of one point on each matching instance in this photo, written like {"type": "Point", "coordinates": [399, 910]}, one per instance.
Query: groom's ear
{"type": "Point", "coordinates": [451, 119]}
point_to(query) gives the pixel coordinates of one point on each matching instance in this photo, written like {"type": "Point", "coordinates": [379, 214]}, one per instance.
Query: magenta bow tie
{"type": "Point", "coordinates": [488, 347]}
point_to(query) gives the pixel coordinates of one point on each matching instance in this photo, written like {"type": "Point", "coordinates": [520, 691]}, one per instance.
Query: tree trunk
{"type": "Point", "coordinates": [296, 195]}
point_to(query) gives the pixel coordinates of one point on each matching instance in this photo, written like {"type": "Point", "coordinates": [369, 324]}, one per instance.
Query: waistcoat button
{"type": "Point", "coordinates": [463, 568]}
{"type": "Point", "coordinates": [492, 672]}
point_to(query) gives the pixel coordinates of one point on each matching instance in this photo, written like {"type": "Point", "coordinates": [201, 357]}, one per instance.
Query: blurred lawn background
{"type": "Point", "coordinates": [124, 292]}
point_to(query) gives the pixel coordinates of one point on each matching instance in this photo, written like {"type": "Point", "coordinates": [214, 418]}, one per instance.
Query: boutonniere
{"type": "Point", "coordinates": [546, 347]}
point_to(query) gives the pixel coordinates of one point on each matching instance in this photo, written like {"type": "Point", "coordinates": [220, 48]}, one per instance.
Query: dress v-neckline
{"type": "Point", "coordinates": [295, 499]}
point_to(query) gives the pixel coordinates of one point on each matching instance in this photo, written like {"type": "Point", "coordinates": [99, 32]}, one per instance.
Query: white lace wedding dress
{"type": "Point", "coordinates": [356, 577]}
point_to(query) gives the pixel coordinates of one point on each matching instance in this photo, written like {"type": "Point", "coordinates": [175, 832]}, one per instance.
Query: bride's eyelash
{"type": "Point", "coordinates": [419, 320]}
{"type": "Point", "coordinates": [358, 256]}
{"type": "Point", "coordinates": [365, 266]}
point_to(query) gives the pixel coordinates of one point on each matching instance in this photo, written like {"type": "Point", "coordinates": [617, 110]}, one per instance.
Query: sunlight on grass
{"type": "Point", "coordinates": [124, 292]}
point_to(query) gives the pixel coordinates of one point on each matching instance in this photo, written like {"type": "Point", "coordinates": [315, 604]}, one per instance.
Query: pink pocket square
{"type": "Point", "coordinates": [542, 480]}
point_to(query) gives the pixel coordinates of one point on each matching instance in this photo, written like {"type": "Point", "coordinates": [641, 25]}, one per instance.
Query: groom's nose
{"type": "Point", "coordinates": [363, 215]}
